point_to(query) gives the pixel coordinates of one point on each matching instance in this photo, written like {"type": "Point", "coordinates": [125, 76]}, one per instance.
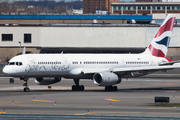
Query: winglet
{"type": "Point", "coordinates": [24, 51]}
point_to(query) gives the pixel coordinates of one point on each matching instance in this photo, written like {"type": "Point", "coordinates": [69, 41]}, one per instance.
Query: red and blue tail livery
{"type": "Point", "coordinates": [160, 43]}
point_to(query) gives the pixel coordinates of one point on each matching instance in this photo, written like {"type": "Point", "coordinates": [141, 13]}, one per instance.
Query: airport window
{"type": "Point", "coordinates": [139, 8]}
{"type": "Point", "coordinates": [114, 8]}
{"type": "Point", "coordinates": [148, 8]}
{"type": "Point", "coordinates": [124, 8]}
{"type": "Point", "coordinates": [129, 8]}
{"type": "Point", "coordinates": [7, 37]}
{"type": "Point", "coordinates": [158, 8]}
{"type": "Point", "coordinates": [27, 38]}
{"type": "Point", "coordinates": [119, 8]}
{"type": "Point", "coordinates": [153, 8]}
{"type": "Point", "coordinates": [133, 8]}
{"type": "Point", "coordinates": [144, 8]}
{"type": "Point", "coordinates": [173, 8]}
{"type": "Point", "coordinates": [178, 8]}
{"type": "Point", "coordinates": [163, 8]}
{"type": "Point", "coordinates": [168, 8]}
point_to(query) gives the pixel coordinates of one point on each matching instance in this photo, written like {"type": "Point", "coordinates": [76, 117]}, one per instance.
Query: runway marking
{"type": "Point", "coordinates": [41, 100]}
{"type": "Point", "coordinates": [162, 108]}
{"type": "Point", "coordinates": [85, 113]}
{"type": "Point", "coordinates": [112, 100]}
{"type": "Point", "coordinates": [94, 107]}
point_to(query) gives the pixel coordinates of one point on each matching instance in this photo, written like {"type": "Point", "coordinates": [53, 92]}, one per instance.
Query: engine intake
{"type": "Point", "coordinates": [106, 79]}
{"type": "Point", "coordinates": [47, 80]}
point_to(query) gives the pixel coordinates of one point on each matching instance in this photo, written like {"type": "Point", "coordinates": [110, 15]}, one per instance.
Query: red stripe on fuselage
{"type": "Point", "coordinates": [168, 26]}
{"type": "Point", "coordinates": [156, 52]}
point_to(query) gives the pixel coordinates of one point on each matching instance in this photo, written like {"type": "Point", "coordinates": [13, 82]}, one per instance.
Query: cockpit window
{"type": "Point", "coordinates": [15, 63]}
{"type": "Point", "coordinates": [11, 63]}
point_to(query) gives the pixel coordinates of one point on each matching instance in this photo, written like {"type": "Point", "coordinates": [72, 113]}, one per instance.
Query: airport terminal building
{"type": "Point", "coordinates": [81, 38]}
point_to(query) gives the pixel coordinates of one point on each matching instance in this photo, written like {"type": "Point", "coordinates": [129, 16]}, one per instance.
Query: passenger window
{"type": "Point", "coordinates": [20, 63]}
{"type": "Point", "coordinates": [16, 63]}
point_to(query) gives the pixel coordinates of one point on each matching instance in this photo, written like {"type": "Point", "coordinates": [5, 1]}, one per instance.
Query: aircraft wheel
{"type": "Point", "coordinates": [81, 88]}
{"type": "Point", "coordinates": [26, 89]}
{"type": "Point", "coordinates": [115, 88]}
{"type": "Point", "coordinates": [74, 88]}
{"type": "Point", "coordinates": [107, 88]}
{"type": "Point", "coordinates": [111, 88]}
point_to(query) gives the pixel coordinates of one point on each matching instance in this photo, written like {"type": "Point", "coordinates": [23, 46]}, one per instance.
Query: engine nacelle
{"type": "Point", "coordinates": [47, 80]}
{"type": "Point", "coordinates": [106, 79]}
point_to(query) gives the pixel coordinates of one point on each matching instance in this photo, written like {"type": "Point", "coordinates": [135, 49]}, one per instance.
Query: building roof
{"type": "Point", "coordinates": [127, 17]}
{"type": "Point", "coordinates": [145, 3]}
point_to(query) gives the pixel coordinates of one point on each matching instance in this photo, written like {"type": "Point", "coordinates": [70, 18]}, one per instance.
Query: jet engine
{"type": "Point", "coordinates": [47, 80]}
{"type": "Point", "coordinates": [106, 79]}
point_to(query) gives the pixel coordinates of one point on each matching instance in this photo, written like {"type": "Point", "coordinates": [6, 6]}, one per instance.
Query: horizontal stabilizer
{"type": "Point", "coordinates": [169, 63]}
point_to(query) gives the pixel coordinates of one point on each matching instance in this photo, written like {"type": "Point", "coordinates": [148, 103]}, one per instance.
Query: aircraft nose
{"type": "Point", "coordinates": [6, 70]}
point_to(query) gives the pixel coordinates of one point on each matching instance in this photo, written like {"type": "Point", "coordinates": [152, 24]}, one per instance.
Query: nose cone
{"type": "Point", "coordinates": [6, 70]}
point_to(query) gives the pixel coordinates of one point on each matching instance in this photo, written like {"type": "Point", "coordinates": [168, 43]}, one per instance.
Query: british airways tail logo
{"type": "Point", "coordinates": [161, 40]}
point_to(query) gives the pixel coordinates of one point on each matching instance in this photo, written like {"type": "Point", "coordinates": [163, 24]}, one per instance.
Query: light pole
{"type": "Point", "coordinates": [20, 46]}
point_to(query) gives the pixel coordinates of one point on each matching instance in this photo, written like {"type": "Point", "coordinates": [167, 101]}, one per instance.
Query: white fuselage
{"type": "Point", "coordinates": [72, 65]}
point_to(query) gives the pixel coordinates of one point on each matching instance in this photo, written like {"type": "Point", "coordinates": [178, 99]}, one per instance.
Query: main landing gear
{"type": "Point", "coordinates": [77, 87]}
{"type": "Point", "coordinates": [111, 88]}
{"type": "Point", "coordinates": [26, 89]}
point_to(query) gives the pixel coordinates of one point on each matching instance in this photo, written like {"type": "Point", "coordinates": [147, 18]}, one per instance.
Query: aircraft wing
{"type": "Point", "coordinates": [92, 71]}
{"type": "Point", "coordinates": [132, 69]}
{"type": "Point", "coordinates": [148, 68]}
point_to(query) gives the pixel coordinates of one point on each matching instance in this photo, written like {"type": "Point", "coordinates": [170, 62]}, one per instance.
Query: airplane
{"type": "Point", "coordinates": [104, 69]}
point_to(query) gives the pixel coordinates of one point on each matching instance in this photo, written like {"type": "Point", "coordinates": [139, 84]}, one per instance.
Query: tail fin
{"type": "Point", "coordinates": [160, 43]}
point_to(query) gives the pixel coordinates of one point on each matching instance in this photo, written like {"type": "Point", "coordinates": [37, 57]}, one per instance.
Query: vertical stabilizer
{"type": "Point", "coordinates": [160, 43]}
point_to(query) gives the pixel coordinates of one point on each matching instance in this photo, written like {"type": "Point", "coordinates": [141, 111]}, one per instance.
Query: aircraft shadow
{"type": "Point", "coordinates": [99, 90]}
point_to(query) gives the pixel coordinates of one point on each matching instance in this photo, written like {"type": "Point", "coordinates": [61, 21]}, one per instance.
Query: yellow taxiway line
{"type": "Point", "coordinates": [2, 112]}
{"type": "Point", "coordinates": [112, 100]}
{"type": "Point", "coordinates": [84, 113]}
{"type": "Point", "coordinates": [41, 100]}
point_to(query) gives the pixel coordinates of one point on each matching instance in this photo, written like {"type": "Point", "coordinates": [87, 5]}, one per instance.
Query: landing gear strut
{"type": "Point", "coordinates": [77, 87]}
{"type": "Point", "coordinates": [26, 89]}
{"type": "Point", "coordinates": [111, 88]}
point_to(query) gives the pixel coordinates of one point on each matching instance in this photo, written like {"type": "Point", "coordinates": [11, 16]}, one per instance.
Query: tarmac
{"type": "Point", "coordinates": [134, 99]}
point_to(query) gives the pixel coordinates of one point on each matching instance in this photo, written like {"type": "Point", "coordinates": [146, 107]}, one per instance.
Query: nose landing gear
{"type": "Point", "coordinates": [26, 89]}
